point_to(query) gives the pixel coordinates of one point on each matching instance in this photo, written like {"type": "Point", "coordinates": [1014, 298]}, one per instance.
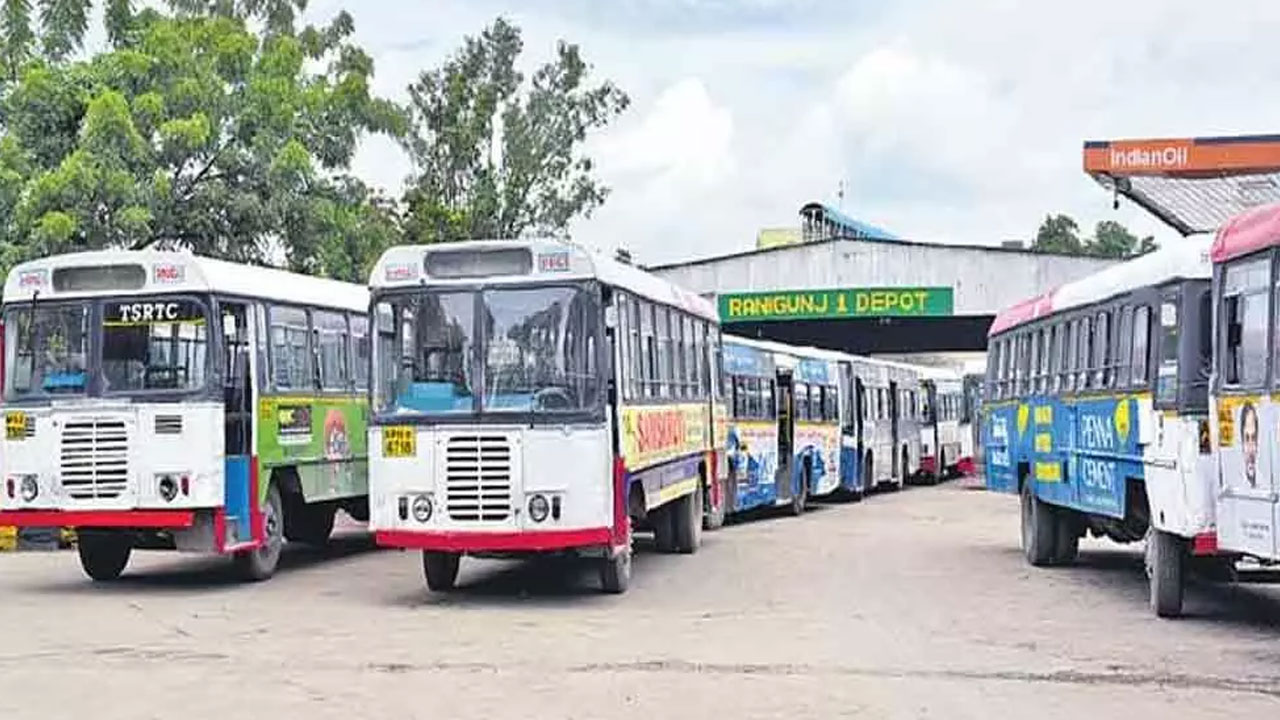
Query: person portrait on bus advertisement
{"type": "Point", "coordinates": [1249, 442]}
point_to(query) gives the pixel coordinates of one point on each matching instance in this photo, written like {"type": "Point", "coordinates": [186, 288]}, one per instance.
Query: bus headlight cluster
{"type": "Point", "coordinates": [168, 486]}
{"type": "Point", "coordinates": [542, 506]}
{"type": "Point", "coordinates": [539, 508]}
{"type": "Point", "coordinates": [422, 508]}
{"type": "Point", "coordinates": [28, 488]}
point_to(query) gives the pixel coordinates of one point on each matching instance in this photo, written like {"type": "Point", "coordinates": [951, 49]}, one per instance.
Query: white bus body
{"type": "Point", "coordinates": [126, 417]}
{"type": "Point", "coordinates": [532, 396]}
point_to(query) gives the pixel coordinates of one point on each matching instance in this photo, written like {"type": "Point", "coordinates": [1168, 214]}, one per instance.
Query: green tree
{"type": "Point", "coordinates": [201, 134]}
{"type": "Point", "coordinates": [1113, 240]}
{"type": "Point", "coordinates": [1058, 234]}
{"type": "Point", "coordinates": [497, 156]}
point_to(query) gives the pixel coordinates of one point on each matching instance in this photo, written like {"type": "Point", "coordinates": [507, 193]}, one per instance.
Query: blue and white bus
{"type": "Point", "coordinates": [784, 429]}
{"type": "Point", "coordinates": [1097, 414]}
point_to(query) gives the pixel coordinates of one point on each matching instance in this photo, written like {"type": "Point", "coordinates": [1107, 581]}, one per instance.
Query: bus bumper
{"type": "Point", "coordinates": [149, 519]}
{"type": "Point", "coordinates": [481, 542]}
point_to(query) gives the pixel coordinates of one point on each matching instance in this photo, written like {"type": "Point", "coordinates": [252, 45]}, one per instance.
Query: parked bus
{"type": "Point", "coordinates": [784, 432]}
{"type": "Point", "coordinates": [530, 397]}
{"type": "Point", "coordinates": [971, 422]}
{"type": "Point", "coordinates": [1097, 413]}
{"type": "Point", "coordinates": [946, 444]}
{"type": "Point", "coordinates": [1245, 416]}
{"type": "Point", "coordinates": [754, 427]}
{"type": "Point", "coordinates": [162, 400]}
{"type": "Point", "coordinates": [907, 411]}
{"type": "Point", "coordinates": [877, 422]}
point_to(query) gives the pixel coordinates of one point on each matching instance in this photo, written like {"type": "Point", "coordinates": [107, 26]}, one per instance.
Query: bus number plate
{"type": "Point", "coordinates": [399, 441]}
{"type": "Point", "coordinates": [15, 425]}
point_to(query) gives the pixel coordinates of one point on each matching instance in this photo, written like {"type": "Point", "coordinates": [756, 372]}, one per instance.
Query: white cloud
{"type": "Point", "coordinates": [947, 121]}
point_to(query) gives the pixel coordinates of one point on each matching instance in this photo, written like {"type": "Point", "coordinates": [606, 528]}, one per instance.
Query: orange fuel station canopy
{"type": "Point", "coordinates": [1192, 184]}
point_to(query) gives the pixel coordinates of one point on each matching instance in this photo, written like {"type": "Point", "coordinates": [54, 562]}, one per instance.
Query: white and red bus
{"type": "Point", "coordinates": [535, 397]}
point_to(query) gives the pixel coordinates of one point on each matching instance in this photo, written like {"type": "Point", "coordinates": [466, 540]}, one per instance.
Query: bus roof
{"type": "Point", "coordinates": [547, 260]}
{"type": "Point", "coordinates": [1247, 233]}
{"type": "Point", "coordinates": [159, 271]}
{"type": "Point", "coordinates": [1186, 258]}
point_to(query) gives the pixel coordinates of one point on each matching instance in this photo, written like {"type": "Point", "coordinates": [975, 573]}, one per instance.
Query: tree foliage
{"type": "Point", "coordinates": [1061, 234]}
{"type": "Point", "coordinates": [497, 156]}
{"type": "Point", "coordinates": [197, 132]}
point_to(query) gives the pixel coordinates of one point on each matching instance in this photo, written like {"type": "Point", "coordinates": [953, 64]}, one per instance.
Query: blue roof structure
{"type": "Point", "coordinates": [845, 225]}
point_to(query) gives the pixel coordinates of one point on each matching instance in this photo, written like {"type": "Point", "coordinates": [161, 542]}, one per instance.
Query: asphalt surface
{"type": "Point", "coordinates": [914, 604]}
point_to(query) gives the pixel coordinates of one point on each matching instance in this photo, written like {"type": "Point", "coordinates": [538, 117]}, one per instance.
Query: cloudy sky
{"type": "Point", "coordinates": [946, 121]}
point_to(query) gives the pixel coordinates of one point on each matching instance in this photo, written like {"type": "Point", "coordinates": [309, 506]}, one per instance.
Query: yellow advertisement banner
{"type": "Point", "coordinates": [651, 435]}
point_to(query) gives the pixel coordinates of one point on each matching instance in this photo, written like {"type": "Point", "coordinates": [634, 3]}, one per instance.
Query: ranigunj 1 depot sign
{"type": "Point", "coordinates": [836, 304]}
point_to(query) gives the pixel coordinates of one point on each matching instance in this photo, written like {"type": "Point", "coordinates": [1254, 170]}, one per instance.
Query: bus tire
{"type": "Point", "coordinates": [662, 520]}
{"type": "Point", "coordinates": [801, 497]}
{"type": "Point", "coordinates": [687, 522]}
{"type": "Point", "coordinates": [1165, 561]}
{"type": "Point", "coordinates": [868, 475]}
{"type": "Point", "coordinates": [103, 554]}
{"type": "Point", "coordinates": [615, 572]}
{"type": "Point", "coordinates": [1066, 543]}
{"type": "Point", "coordinates": [1039, 529]}
{"type": "Point", "coordinates": [309, 523]}
{"type": "Point", "coordinates": [260, 563]}
{"type": "Point", "coordinates": [440, 570]}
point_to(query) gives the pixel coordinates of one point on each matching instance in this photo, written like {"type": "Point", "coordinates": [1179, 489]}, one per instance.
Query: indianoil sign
{"type": "Point", "coordinates": [834, 304]}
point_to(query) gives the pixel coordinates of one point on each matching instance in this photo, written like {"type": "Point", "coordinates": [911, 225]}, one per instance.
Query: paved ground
{"type": "Point", "coordinates": [912, 605]}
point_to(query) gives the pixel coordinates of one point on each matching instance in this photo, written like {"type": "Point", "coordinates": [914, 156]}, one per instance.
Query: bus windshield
{"type": "Point", "coordinates": [147, 344]}
{"type": "Point", "coordinates": [46, 353]}
{"type": "Point", "coordinates": [530, 349]}
{"type": "Point", "coordinates": [156, 344]}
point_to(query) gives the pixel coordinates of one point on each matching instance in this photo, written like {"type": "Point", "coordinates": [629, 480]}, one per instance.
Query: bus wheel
{"type": "Point", "coordinates": [662, 520]}
{"type": "Point", "coordinates": [715, 515]}
{"type": "Point", "coordinates": [1166, 560]}
{"type": "Point", "coordinates": [1038, 528]}
{"type": "Point", "coordinates": [868, 477]}
{"type": "Point", "coordinates": [801, 497]}
{"type": "Point", "coordinates": [103, 554]}
{"type": "Point", "coordinates": [440, 570]}
{"type": "Point", "coordinates": [1066, 543]}
{"type": "Point", "coordinates": [615, 571]}
{"type": "Point", "coordinates": [686, 514]}
{"type": "Point", "coordinates": [260, 563]}
{"type": "Point", "coordinates": [309, 523]}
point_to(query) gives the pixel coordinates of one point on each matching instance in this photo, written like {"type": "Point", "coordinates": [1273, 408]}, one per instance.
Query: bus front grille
{"type": "Point", "coordinates": [478, 478]}
{"type": "Point", "coordinates": [95, 458]}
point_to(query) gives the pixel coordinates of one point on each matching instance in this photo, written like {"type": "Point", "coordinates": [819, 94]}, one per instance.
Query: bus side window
{"type": "Point", "coordinates": [1101, 349]}
{"type": "Point", "coordinates": [1124, 360]}
{"type": "Point", "coordinates": [290, 352]}
{"type": "Point", "coordinates": [1141, 344]}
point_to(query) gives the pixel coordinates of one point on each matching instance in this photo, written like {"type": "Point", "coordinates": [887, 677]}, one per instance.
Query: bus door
{"type": "Point", "coordinates": [895, 429]}
{"type": "Point", "coordinates": [860, 426]}
{"type": "Point", "coordinates": [786, 400]}
{"type": "Point", "coordinates": [238, 402]}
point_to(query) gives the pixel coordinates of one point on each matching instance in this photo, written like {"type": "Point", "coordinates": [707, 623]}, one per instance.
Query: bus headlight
{"type": "Point", "coordinates": [28, 488]}
{"type": "Point", "coordinates": [539, 508]}
{"type": "Point", "coordinates": [168, 488]}
{"type": "Point", "coordinates": [422, 508]}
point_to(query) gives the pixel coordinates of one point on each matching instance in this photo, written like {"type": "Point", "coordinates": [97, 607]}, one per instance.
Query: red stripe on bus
{"type": "Point", "coordinates": [257, 527]}
{"type": "Point", "coordinates": [99, 518]}
{"type": "Point", "coordinates": [447, 541]}
{"type": "Point", "coordinates": [621, 530]}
